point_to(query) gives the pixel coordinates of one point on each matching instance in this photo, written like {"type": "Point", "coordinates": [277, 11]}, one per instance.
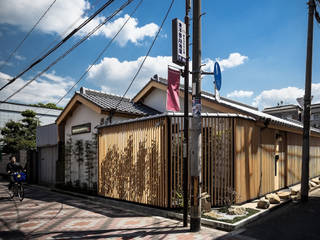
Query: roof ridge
{"type": "Point", "coordinates": [84, 90]}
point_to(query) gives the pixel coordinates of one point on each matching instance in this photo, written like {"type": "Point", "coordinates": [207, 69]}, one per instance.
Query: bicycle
{"type": "Point", "coordinates": [17, 189]}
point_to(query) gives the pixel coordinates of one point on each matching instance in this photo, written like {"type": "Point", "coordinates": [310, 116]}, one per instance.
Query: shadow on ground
{"type": "Point", "coordinates": [293, 221]}
{"type": "Point", "coordinates": [127, 233]}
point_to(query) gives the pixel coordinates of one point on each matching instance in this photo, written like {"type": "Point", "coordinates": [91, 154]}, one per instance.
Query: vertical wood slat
{"type": "Point", "coordinates": [126, 174]}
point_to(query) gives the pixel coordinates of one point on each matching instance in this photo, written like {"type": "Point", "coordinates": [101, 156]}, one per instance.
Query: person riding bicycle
{"type": "Point", "coordinates": [13, 167]}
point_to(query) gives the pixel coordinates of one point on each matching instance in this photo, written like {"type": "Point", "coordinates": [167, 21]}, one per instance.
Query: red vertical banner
{"type": "Point", "coordinates": [173, 103]}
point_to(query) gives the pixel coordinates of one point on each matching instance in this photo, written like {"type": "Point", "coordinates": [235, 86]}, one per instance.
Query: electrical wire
{"type": "Point", "coordinates": [71, 26]}
{"type": "Point", "coordinates": [70, 49]}
{"type": "Point", "coordinates": [148, 52]}
{"type": "Point", "coordinates": [99, 56]}
{"type": "Point", "coordinates": [102, 52]}
{"type": "Point", "coordinates": [59, 44]}
{"type": "Point", "coordinates": [27, 35]}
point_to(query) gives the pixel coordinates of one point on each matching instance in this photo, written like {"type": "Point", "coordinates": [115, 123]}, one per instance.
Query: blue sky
{"type": "Point", "coordinates": [261, 46]}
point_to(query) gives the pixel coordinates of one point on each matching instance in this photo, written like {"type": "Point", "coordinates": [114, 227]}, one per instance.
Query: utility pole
{"type": "Point", "coordinates": [195, 211]}
{"type": "Point", "coordinates": [307, 103]}
{"type": "Point", "coordinates": [186, 119]}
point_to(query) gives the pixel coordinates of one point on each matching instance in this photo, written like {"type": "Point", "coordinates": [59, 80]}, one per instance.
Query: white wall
{"type": "Point", "coordinates": [81, 115]}
{"type": "Point", "coordinates": [157, 99]}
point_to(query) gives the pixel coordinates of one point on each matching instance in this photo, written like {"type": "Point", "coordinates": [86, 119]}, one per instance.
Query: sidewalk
{"type": "Point", "coordinates": [45, 214]}
{"type": "Point", "coordinates": [174, 215]}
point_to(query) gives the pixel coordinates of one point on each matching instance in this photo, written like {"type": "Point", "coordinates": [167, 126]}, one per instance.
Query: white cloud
{"type": "Point", "coordinates": [49, 88]}
{"type": "Point", "coordinates": [114, 76]}
{"type": "Point", "coordinates": [69, 13]}
{"type": "Point", "coordinates": [131, 32]}
{"type": "Point", "coordinates": [5, 63]}
{"type": "Point", "coordinates": [240, 94]}
{"type": "Point", "coordinates": [19, 57]}
{"type": "Point", "coordinates": [234, 60]}
{"type": "Point", "coordinates": [270, 98]}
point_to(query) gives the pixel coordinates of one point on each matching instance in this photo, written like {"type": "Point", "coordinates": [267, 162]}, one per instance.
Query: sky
{"type": "Point", "coordinates": [260, 45]}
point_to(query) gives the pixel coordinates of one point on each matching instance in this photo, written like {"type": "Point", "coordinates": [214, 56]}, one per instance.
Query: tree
{"type": "Point", "coordinates": [12, 140]}
{"type": "Point", "coordinates": [21, 134]}
{"type": "Point", "coordinates": [28, 129]}
{"type": "Point", "coordinates": [47, 105]}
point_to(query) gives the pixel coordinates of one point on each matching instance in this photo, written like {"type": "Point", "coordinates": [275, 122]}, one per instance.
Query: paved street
{"type": "Point", "coordinates": [48, 215]}
{"type": "Point", "coordinates": [294, 221]}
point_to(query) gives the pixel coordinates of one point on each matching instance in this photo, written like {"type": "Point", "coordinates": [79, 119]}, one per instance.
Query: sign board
{"type": "Point", "coordinates": [179, 48]}
{"type": "Point", "coordinates": [217, 76]}
{"type": "Point", "coordinates": [83, 128]}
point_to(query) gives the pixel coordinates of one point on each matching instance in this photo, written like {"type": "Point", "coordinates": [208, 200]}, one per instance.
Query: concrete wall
{"type": "Point", "coordinates": [47, 135]}
{"type": "Point", "coordinates": [48, 157]}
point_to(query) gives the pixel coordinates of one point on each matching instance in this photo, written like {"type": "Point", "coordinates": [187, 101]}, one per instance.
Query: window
{"type": "Point", "coordinates": [316, 116]}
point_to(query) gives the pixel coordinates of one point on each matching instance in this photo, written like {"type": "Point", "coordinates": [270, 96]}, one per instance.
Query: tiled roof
{"type": "Point", "coordinates": [245, 109]}
{"type": "Point", "coordinates": [109, 102]}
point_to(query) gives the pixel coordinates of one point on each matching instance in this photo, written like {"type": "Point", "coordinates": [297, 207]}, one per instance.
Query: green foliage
{"type": "Point", "coordinates": [47, 105]}
{"type": "Point", "coordinates": [68, 155]}
{"type": "Point", "coordinates": [12, 140]}
{"type": "Point", "coordinates": [78, 152]}
{"type": "Point", "coordinates": [20, 135]}
{"type": "Point", "coordinates": [91, 156]}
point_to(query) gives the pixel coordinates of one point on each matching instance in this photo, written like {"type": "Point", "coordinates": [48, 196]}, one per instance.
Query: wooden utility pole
{"type": "Point", "coordinates": [195, 210]}
{"type": "Point", "coordinates": [307, 103]}
{"type": "Point", "coordinates": [186, 119]}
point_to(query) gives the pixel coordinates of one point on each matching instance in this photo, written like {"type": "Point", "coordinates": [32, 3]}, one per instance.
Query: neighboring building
{"type": "Point", "coordinates": [77, 131]}
{"type": "Point", "coordinates": [47, 148]}
{"type": "Point", "coordinates": [285, 111]}
{"type": "Point", "coordinates": [315, 115]}
{"type": "Point", "coordinates": [12, 111]}
{"type": "Point", "coordinates": [295, 112]}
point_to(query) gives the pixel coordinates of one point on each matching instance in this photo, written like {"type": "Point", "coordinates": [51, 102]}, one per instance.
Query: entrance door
{"type": "Point", "coordinates": [280, 161]}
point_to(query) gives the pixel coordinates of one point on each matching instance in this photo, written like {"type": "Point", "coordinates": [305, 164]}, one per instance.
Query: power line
{"type": "Point", "coordinates": [62, 35]}
{"type": "Point", "coordinates": [59, 44]}
{"type": "Point", "coordinates": [155, 38]}
{"type": "Point", "coordinates": [102, 52]}
{"type": "Point", "coordinates": [27, 35]}
{"type": "Point", "coordinates": [70, 49]}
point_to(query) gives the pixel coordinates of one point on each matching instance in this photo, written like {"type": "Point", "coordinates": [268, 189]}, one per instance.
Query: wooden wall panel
{"type": "Point", "coordinates": [294, 151]}
{"type": "Point", "coordinates": [268, 141]}
{"type": "Point", "coordinates": [314, 157]}
{"type": "Point", "coordinates": [255, 150]}
{"type": "Point", "coordinates": [247, 160]}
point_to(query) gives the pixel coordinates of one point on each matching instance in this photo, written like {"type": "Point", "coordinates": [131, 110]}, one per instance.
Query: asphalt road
{"type": "Point", "coordinates": [44, 214]}
{"type": "Point", "coordinates": [294, 221]}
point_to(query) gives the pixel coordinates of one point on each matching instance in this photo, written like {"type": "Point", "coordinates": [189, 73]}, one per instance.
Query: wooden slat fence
{"type": "Point", "coordinates": [217, 159]}
{"type": "Point", "coordinates": [133, 162]}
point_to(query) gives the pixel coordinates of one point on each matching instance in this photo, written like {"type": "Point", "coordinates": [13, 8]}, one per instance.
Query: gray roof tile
{"type": "Point", "coordinates": [109, 102]}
